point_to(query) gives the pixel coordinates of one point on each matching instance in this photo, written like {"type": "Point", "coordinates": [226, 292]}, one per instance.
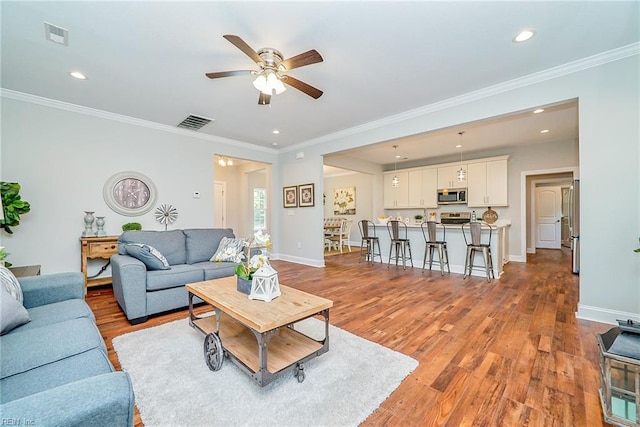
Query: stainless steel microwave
{"type": "Point", "coordinates": [452, 196]}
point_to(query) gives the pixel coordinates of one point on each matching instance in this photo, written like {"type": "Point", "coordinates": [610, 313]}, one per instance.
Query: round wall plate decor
{"type": "Point", "coordinates": [490, 216]}
{"type": "Point", "coordinates": [129, 193]}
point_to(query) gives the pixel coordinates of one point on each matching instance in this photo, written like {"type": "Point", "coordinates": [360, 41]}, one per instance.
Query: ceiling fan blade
{"type": "Point", "coordinates": [306, 58]}
{"type": "Point", "coordinates": [264, 99]}
{"type": "Point", "coordinates": [227, 74]}
{"type": "Point", "coordinates": [240, 44]}
{"type": "Point", "coordinates": [303, 87]}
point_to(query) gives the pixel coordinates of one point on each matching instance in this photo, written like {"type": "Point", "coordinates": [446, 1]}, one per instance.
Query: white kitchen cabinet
{"type": "Point", "coordinates": [448, 177]}
{"type": "Point", "coordinates": [396, 197]}
{"type": "Point", "coordinates": [487, 183]}
{"type": "Point", "coordinates": [423, 187]}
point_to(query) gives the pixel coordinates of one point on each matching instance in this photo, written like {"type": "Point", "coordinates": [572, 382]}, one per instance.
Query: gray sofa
{"type": "Point", "coordinates": [55, 370]}
{"type": "Point", "coordinates": [141, 291]}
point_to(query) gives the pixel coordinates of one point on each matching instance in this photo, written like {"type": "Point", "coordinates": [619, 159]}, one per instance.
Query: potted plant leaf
{"type": "Point", "coordinates": [13, 205]}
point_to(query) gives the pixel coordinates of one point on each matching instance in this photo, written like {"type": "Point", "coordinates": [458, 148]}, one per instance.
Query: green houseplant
{"type": "Point", "coordinates": [131, 226]}
{"type": "Point", "coordinates": [637, 250]}
{"type": "Point", "coordinates": [13, 205]}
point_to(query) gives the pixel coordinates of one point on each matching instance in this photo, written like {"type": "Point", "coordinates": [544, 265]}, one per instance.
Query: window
{"type": "Point", "coordinates": [259, 209]}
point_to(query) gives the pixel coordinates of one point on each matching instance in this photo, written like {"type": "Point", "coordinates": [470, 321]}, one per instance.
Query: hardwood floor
{"type": "Point", "coordinates": [510, 352]}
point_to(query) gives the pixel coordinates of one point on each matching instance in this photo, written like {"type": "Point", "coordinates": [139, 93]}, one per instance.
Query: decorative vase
{"type": "Point", "coordinates": [100, 226]}
{"type": "Point", "coordinates": [88, 224]}
{"type": "Point", "coordinates": [243, 285]}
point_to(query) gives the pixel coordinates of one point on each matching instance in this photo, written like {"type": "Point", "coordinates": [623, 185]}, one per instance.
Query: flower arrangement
{"type": "Point", "coordinates": [259, 240]}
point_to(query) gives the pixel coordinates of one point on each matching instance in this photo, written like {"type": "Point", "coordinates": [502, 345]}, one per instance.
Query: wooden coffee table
{"type": "Point", "coordinates": [259, 337]}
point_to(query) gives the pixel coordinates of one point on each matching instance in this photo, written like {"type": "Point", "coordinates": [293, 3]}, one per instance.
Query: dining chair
{"type": "Point", "coordinates": [400, 243]}
{"type": "Point", "coordinates": [341, 238]}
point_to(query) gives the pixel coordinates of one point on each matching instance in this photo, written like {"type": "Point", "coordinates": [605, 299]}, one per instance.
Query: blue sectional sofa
{"type": "Point", "coordinates": [142, 290]}
{"type": "Point", "coordinates": [54, 369]}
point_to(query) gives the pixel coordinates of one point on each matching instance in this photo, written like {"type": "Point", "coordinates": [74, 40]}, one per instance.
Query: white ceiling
{"type": "Point", "coordinates": [147, 60]}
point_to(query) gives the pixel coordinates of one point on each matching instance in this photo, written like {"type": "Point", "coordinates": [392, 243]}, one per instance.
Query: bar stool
{"type": "Point", "coordinates": [474, 229]}
{"type": "Point", "coordinates": [399, 242]}
{"type": "Point", "coordinates": [371, 240]}
{"type": "Point", "coordinates": [432, 243]}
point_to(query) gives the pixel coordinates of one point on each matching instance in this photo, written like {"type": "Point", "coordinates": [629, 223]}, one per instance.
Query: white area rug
{"type": "Point", "coordinates": [174, 387]}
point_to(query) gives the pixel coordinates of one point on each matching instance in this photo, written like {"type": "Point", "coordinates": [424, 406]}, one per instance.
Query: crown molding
{"type": "Point", "coordinates": [66, 106]}
{"type": "Point", "coordinates": [540, 76]}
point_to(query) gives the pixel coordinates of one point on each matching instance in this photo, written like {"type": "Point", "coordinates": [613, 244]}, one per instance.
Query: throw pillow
{"type": "Point", "coordinates": [12, 313]}
{"type": "Point", "coordinates": [10, 283]}
{"type": "Point", "coordinates": [150, 256]}
{"type": "Point", "coordinates": [229, 250]}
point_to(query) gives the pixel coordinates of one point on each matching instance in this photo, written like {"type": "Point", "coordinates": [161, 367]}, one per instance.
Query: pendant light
{"type": "Point", "coordinates": [395, 181]}
{"type": "Point", "coordinates": [462, 174]}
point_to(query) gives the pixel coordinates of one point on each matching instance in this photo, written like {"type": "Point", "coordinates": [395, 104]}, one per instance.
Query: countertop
{"type": "Point", "coordinates": [498, 224]}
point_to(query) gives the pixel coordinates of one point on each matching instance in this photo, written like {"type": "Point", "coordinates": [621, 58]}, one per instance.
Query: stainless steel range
{"type": "Point", "coordinates": [455, 217]}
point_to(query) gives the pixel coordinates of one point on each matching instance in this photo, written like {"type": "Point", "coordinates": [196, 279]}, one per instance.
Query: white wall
{"type": "Point", "coordinates": [609, 154]}
{"type": "Point", "coordinates": [62, 160]}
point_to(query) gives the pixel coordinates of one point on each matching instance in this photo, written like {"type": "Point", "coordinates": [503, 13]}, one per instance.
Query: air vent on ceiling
{"type": "Point", "coordinates": [194, 122]}
{"type": "Point", "coordinates": [56, 34]}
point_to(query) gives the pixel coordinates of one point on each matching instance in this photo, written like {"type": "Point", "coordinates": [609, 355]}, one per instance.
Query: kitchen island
{"type": "Point", "coordinates": [456, 246]}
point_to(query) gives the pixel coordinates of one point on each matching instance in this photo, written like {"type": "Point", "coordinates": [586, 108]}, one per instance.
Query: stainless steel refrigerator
{"type": "Point", "coordinates": [574, 224]}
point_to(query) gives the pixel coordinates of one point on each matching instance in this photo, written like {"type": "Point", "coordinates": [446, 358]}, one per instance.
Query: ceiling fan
{"type": "Point", "coordinates": [271, 77]}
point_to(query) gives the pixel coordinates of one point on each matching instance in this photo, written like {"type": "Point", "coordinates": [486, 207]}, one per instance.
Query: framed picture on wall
{"type": "Point", "coordinates": [344, 201]}
{"type": "Point", "coordinates": [290, 196]}
{"type": "Point", "coordinates": [305, 194]}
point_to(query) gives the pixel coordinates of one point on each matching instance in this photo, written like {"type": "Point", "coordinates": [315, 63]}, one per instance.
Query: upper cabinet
{"type": "Point", "coordinates": [448, 177]}
{"type": "Point", "coordinates": [396, 197]}
{"type": "Point", "coordinates": [487, 183]}
{"type": "Point", "coordinates": [423, 188]}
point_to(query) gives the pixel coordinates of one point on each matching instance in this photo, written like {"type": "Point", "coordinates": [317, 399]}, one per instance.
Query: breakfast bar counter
{"type": "Point", "coordinates": [456, 246]}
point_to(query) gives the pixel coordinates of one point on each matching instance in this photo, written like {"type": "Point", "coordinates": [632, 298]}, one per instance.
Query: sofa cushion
{"type": "Point", "coordinates": [202, 243]}
{"type": "Point", "coordinates": [150, 256]}
{"type": "Point", "coordinates": [69, 369]}
{"type": "Point", "coordinates": [179, 275]}
{"type": "Point", "coordinates": [216, 270]}
{"type": "Point", "coordinates": [229, 250]}
{"type": "Point", "coordinates": [25, 350]}
{"type": "Point", "coordinates": [12, 313]}
{"type": "Point", "coordinates": [171, 244]}
{"type": "Point", "coordinates": [10, 283]}
{"type": "Point", "coordinates": [57, 312]}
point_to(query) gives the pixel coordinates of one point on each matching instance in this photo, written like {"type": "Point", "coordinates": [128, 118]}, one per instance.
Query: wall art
{"type": "Point", "coordinates": [344, 201]}
{"type": "Point", "coordinates": [290, 196]}
{"type": "Point", "coordinates": [305, 195]}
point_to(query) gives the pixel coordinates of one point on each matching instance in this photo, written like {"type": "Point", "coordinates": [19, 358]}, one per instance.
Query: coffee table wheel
{"type": "Point", "coordinates": [213, 352]}
{"type": "Point", "coordinates": [299, 374]}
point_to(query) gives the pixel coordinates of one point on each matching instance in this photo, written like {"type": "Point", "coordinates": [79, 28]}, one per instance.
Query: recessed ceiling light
{"type": "Point", "coordinates": [523, 36]}
{"type": "Point", "coordinates": [398, 156]}
{"type": "Point", "coordinates": [538, 111]}
{"type": "Point", "coordinates": [78, 75]}
{"type": "Point", "coordinates": [276, 131]}
{"type": "Point", "coordinates": [275, 144]}
{"type": "Point", "coordinates": [459, 146]}
{"type": "Point", "coordinates": [544, 131]}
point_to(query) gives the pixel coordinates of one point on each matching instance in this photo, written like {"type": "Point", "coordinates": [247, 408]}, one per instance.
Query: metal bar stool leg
{"type": "Point", "coordinates": [374, 251]}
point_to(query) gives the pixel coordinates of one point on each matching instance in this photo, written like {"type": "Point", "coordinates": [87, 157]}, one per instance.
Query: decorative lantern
{"type": "Point", "coordinates": [264, 285]}
{"type": "Point", "coordinates": [620, 374]}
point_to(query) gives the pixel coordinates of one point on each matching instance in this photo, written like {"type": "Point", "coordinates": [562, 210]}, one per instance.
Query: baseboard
{"type": "Point", "coordinates": [604, 315]}
{"type": "Point", "coordinates": [300, 260]}
{"type": "Point", "coordinates": [517, 258]}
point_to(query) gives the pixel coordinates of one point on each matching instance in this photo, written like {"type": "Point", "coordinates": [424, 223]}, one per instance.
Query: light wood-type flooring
{"type": "Point", "coordinates": [510, 352]}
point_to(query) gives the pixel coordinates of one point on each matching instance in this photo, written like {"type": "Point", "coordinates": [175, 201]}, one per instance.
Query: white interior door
{"type": "Point", "coordinates": [219, 204]}
{"type": "Point", "coordinates": [548, 215]}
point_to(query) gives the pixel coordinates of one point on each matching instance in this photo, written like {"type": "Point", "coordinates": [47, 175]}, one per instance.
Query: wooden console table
{"type": "Point", "coordinates": [97, 247]}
